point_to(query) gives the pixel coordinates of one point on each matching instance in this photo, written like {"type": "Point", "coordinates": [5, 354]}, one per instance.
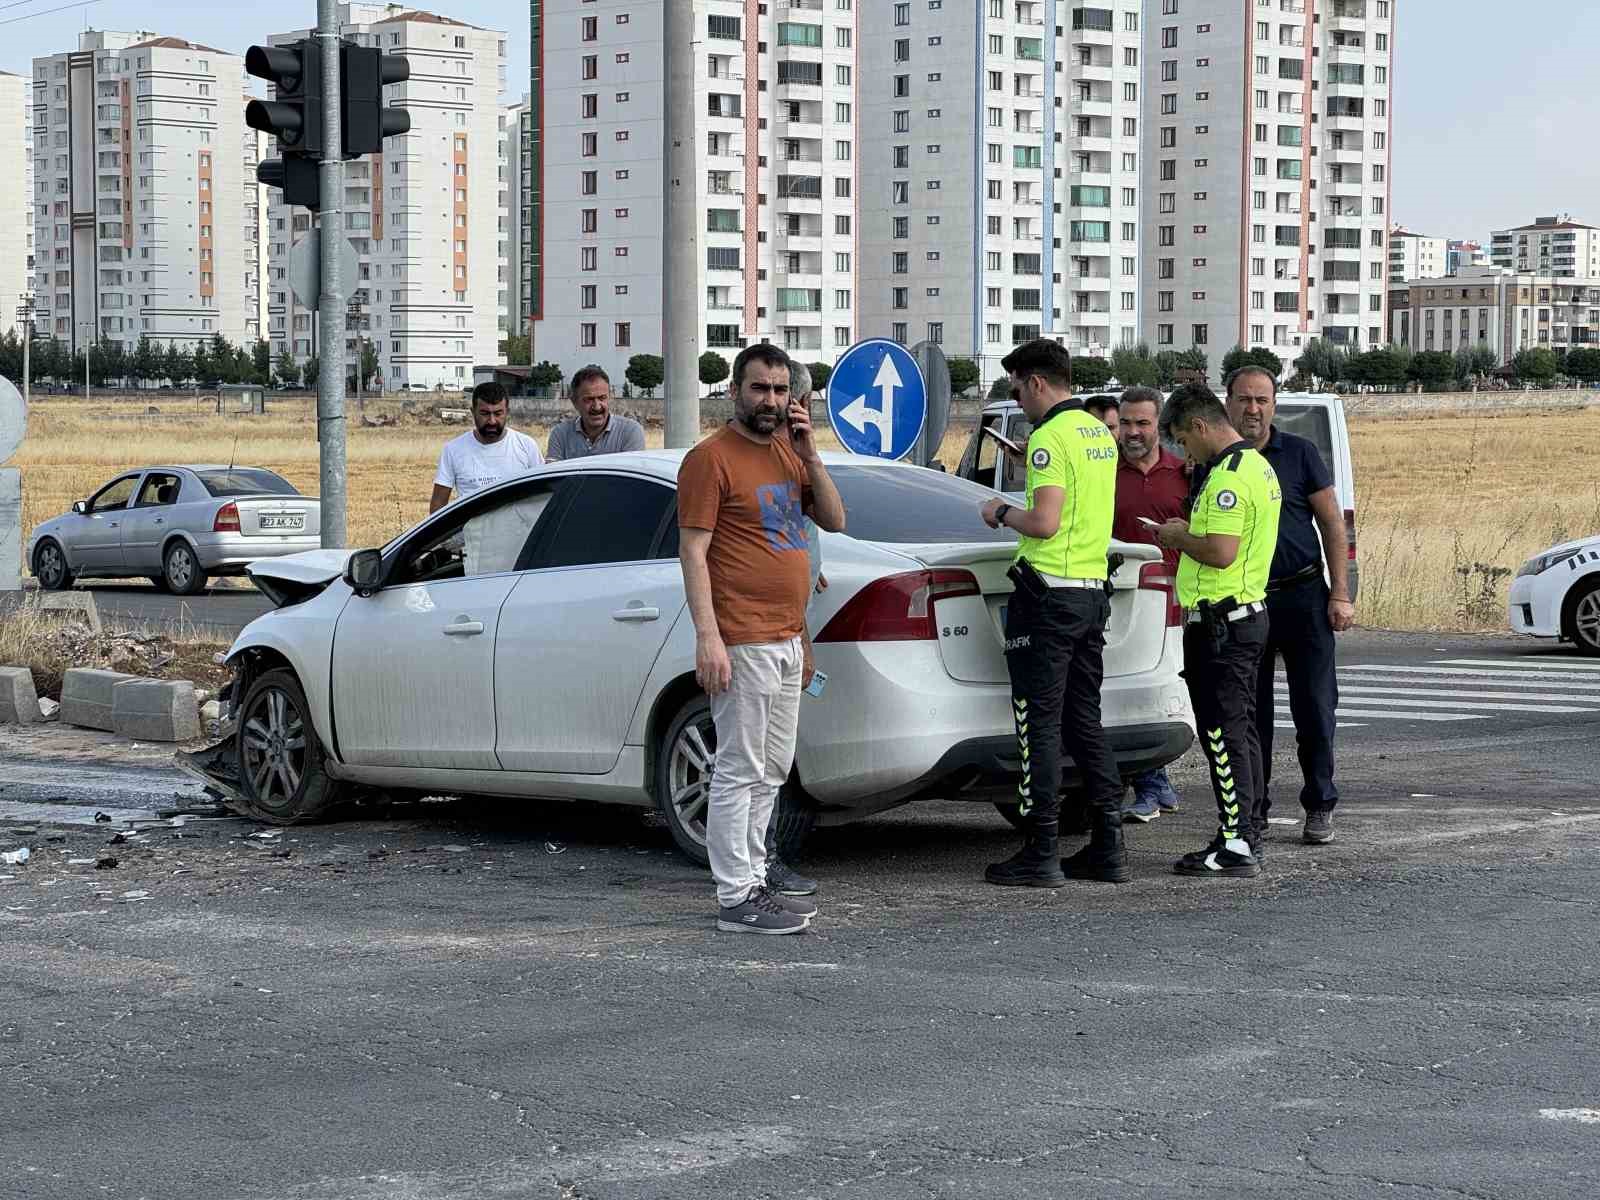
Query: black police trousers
{"type": "Point", "coordinates": [1055, 648]}
{"type": "Point", "coordinates": [1302, 634]}
{"type": "Point", "coordinates": [1220, 669]}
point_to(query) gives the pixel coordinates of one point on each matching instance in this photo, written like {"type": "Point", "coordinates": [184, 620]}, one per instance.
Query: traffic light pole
{"type": "Point", "coordinates": [331, 305]}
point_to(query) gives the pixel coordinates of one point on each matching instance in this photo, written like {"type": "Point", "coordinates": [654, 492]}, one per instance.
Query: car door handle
{"type": "Point", "coordinates": [161, 520]}
{"type": "Point", "coordinates": [636, 613]}
{"type": "Point", "coordinates": [463, 627]}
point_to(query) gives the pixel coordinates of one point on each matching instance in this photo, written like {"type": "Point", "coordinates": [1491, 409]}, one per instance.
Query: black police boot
{"type": "Point", "coordinates": [1035, 865]}
{"type": "Point", "coordinates": [1104, 859]}
{"type": "Point", "coordinates": [1076, 819]}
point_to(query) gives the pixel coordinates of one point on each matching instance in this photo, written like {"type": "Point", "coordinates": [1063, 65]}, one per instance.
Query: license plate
{"type": "Point", "coordinates": [282, 522]}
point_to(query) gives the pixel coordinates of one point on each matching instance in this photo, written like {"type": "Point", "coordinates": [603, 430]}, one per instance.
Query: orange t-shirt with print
{"type": "Point", "coordinates": [753, 497]}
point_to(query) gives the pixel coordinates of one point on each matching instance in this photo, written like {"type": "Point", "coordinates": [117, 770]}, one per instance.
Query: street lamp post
{"type": "Point", "coordinates": [25, 316]}
{"type": "Point", "coordinates": [355, 315]}
{"type": "Point", "coordinates": [89, 325]}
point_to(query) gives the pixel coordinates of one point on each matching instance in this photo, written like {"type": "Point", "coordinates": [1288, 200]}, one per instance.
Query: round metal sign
{"type": "Point", "coordinates": [13, 419]}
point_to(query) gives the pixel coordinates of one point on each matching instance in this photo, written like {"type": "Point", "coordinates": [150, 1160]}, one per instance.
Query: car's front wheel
{"type": "Point", "coordinates": [182, 570]}
{"type": "Point", "coordinates": [685, 763]}
{"type": "Point", "coordinates": [50, 566]}
{"type": "Point", "coordinates": [1580, 620]}
{"type": "Point", "coordinates": [282, 775]}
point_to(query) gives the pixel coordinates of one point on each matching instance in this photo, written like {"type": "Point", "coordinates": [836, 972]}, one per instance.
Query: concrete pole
{"type": "Point", "coordinates": [330, 308]}
{"type": "Point", "coordinates": [25, 313]}
{"type": "Point", "coordinates": [680, 251]}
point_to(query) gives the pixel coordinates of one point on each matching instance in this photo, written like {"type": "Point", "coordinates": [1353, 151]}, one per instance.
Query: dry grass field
{"type": "Point", "coordinates": [1447, 505]}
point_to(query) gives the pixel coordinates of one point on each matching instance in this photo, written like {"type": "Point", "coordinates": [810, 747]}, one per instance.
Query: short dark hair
{"type": "Point", "coordinates": [1101, 405]}
{"type": "Point", "coordinates": [1188, 401]}
{"type": "Point", "coordinates": [762, 352]}
{"type": "Point", "coordinates": [584, 375]}
{"type": "Point", "coordinates": [1249, 369]}
{"type": "Point", "coordinates": [1047, 359]}
{"type": "Point", "coordinates": [489, 392]}
{"type": "Point", "coordinates": [1142, 395]}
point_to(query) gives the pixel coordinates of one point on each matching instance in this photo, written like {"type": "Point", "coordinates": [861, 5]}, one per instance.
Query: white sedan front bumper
{"type": "Point", "coordinates": [1534, 604]}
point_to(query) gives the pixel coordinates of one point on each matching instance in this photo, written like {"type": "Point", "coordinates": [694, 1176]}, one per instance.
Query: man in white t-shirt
{"type": "Point", "coordinates": [491, 452]}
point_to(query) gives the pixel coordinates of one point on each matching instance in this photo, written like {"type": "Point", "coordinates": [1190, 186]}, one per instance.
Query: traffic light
{"type": "Point", "coordinates": [363, 73]}
{"type": "Point", "coordinates": [293, 116]}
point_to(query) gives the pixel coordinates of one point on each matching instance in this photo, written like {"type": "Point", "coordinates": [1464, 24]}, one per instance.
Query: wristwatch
{"type": "Point", "coordinates": [1000, 514]}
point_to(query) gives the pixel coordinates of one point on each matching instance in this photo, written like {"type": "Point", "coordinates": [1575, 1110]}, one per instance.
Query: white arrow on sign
{"type": "Point", "coordinates": [858, 416]}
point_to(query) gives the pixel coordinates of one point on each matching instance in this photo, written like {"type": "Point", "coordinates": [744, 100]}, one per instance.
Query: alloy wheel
{"type": "Point", "coordinates": [1586, 619]}
{"type": "Point", "coordinates": [274, 748]}
{"type": "Point", "coordinates": [51, 565]}
{"type": "Point", "coordinates": [690, 767]}
{"type": "Point", "coordinates": [180, 568]}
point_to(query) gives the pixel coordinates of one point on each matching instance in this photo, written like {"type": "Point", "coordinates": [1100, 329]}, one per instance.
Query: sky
{"type": "Point", "coordinates": [1494, 116]}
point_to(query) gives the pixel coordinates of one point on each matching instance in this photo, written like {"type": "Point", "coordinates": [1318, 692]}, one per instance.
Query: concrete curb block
{"type": "Point", "coordinates": [19, 702]}
{"type": "Point", "coordinates": [86, 697]}
{"type": "Point", "coordinates": [155, 710]}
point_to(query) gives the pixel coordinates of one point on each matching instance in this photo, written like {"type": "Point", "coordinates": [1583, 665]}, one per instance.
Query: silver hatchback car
{"type": "Point", "coordinates": [177, 527]}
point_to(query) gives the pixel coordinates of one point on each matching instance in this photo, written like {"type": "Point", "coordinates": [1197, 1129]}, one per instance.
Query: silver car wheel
{"type": "Point", "coordinates": [1586, 619]}
{"type": "Point", "coordinates": [180, 567]}
{"type": "Point", "coordinates": [690, 768]}
{"type": "Point", "coordinates": [274, 745]}
{"type": "Point", "coordinates": [52, 566]}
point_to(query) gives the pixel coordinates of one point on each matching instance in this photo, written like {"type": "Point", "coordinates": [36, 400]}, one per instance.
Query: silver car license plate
{"type": "Point", "coordinates": [283, 522]}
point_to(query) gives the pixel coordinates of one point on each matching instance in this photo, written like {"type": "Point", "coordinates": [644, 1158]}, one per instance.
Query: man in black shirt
{"type": "Point", "coordinates": [1305, 609]}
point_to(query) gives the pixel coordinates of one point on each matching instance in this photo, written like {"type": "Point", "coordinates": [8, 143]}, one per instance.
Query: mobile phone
{"type": "Point", "coordinates": [818, 682]}
{"type": "Point", "coordinates": [1150, 523]}
{"type": "Point", "coordinates": [1002, 439]}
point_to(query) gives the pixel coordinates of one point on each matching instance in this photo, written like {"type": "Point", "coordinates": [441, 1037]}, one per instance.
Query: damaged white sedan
{"type": "Point", "coordinates": [532, 640]}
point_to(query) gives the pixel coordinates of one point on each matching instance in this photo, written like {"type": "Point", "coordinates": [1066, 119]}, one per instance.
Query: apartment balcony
{"type": "Point", "coordinates": [1090, 105]}
{"type": "Point", "coordinates": [1091, 142]}
{"type": "Point", "coordinates": [1089, 176]}
{"type": "Point", "coordinates": [804, 163]}
{"type": "Point", "coordinates": [1090, 283]}
{"type": "Point", "coordinates": [793, 89]}
{"type": "Point", "coordinates": [809, 279]}
{"type": "Point", "coordinates": [723, 306]}
{"type": "Point", "coordinates": [801, 243]}
{"type": "Point", "coordinates": [799, 5]}
{"type": "Point", "coordinates": [798, 204]}
{"type": "Point", "coordinates": [806, 131]}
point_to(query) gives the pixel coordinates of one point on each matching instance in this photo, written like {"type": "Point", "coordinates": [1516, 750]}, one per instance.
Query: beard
{"type": "Point", "coordinates": [491, 433]}
{"type": "Point", "coordinates": [764, 421]}
{"type": "Point", "coordinates": [1134, 448]}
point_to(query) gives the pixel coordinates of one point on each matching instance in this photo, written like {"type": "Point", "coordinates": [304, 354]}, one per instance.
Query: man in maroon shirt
{"type": "Point", "coordinates": [1151, 483]}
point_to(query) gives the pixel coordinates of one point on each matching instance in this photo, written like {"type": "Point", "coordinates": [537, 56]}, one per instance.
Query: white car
{"type": "Point", "coordinates": [1556, 594]}
{"type": "Point", "coordinates": [532, 640]}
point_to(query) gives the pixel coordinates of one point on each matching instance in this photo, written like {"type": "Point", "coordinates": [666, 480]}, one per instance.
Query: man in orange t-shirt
{"type": "Point", "coordinates": [742, 498]}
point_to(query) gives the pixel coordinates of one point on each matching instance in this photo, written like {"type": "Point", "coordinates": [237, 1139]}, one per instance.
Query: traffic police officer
{"type": "Point", "coordinates": [1056, 620]}
{"type": "Point", "coordinates": [1226, 550]}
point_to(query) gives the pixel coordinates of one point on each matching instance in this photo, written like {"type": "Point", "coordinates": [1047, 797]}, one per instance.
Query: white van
{"type": "Point", "coordinates": [1318, 417]}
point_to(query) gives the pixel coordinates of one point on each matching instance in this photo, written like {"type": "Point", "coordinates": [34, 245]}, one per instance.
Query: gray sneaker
{"type": "Point", "coordinates": [793, 904]}
{"type": "Point", "coordinates": [1319, 827]}
{"type": "Point", "coordinates": [784, 880]}
{"type": "Point", "coordinates": [759, 913]}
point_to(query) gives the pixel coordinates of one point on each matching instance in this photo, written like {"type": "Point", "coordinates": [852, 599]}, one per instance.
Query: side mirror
{"type": "Point", "coordinates": [364, 571]}
{"type": "Point", "coordinates": [81, 507]}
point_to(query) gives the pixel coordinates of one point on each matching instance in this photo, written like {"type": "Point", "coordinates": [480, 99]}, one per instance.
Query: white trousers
{"type": "Point", "coordinates": [756, 719]}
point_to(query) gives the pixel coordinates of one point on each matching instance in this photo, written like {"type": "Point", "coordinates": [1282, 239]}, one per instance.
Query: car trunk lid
{"type": "Point", "coordinates": [971, 628]}
{"type": "Point", "coordinates": [276, 517]}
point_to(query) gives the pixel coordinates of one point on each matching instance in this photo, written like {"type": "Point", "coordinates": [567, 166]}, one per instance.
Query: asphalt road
{"type": "Point", "coordinates": [470, 1000]}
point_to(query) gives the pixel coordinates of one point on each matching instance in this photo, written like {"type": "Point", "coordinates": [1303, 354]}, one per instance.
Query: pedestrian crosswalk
{"type": "Point", "coordinates": [1450, 690]}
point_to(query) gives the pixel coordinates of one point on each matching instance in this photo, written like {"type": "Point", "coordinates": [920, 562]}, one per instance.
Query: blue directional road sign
{"type": "Point", "coordinates": [877, 399]}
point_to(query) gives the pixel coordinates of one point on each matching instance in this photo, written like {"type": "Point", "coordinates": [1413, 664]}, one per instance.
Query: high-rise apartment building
{"type": "Point", "coordinates": [1000, 175]}
{"type": "Point", "coordinates": [253, 227]}
{"type": "Point", "coordinates": [16, 202]}
{"type": "Point", "coordinates": [423, 214]}
{"type": "Point", "coordinates": [514, 126]}
{"type": "Point", "coordinates": [1266, 173]}
{"type": "Point", "coordinates": [138, 191]}
{"type": "Point", "coordinates": [1415, 256]}
{"type": "Point", "coordinates": [1556, 246]}
{"type": "Point", "coordinates": [776, 149]}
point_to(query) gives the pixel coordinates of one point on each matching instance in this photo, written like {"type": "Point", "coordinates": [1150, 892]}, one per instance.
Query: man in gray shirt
{"type": "Point", "coordinates": [594, 430]}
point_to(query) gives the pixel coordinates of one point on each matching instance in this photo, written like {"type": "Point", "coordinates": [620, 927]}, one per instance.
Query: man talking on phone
{"type": "Point", "coordinates": [1056, 621]}
{"type": "Point", "coordinates": [743, 495]}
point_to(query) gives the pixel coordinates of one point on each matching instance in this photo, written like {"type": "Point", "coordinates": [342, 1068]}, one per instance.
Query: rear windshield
{"type": "Point", "coordinates": [1312, 424]}
{"type": "Point", "coordinates": [246, 481]}
{"type": "Point", "coordinates": [909, 504]}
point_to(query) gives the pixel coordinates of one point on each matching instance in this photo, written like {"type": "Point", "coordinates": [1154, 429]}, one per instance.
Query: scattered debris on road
{"type": "Point", "coordinates": [15, 858]}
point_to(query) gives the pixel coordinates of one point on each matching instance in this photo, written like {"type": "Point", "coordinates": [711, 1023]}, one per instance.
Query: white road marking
{"type": "Point", "coordinates": [1342, 724]}
{"type": "Point", "coordinates": [1555, 683]}
{"type": "Point", "coordinates": [1395, 714]}
{"type": "Point", "coordinates": [1359, 689]}
{"type": "Point", "coordinates": [1530, 676]}
{"type": "Point", "coordinates": [1417, 699]}
{"type": "Point", "coordinates": [1584, 1116]}
{"type": "Point", "coordinates": [1537, 664]}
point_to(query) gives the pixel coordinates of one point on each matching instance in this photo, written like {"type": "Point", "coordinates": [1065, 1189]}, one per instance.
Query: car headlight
{"type": "Point", "coordinates": [1541, 563]}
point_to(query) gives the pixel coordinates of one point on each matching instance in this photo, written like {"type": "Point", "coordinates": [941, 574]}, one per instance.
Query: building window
{"type": "Point", "coordinates": [624, 333]}
{"type": "Point", "coordinates": [586, 333]}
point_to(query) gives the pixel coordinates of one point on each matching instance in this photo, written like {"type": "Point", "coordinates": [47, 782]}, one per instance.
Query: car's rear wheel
{"type": "Point", "coordinates": [282, 774]}
{"type": "Point", "coordinates": [1580, 618]}
{"type": "Point", "coordinates": [685, 762]}
{"type": "Point", "coordinates": [182, 570]}
{"type": "Point", "coordinates": [50, 566]}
